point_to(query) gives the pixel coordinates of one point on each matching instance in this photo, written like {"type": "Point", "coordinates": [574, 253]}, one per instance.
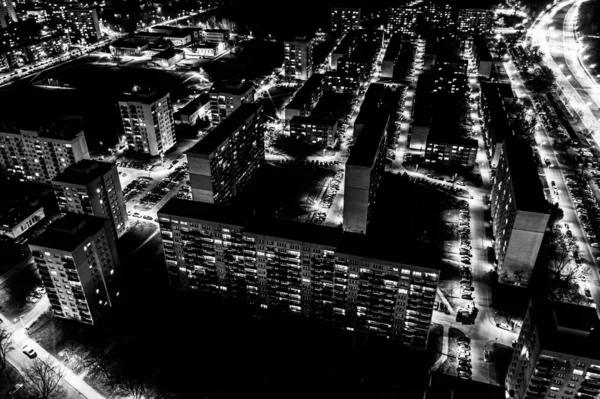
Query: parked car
{"type": "Point", "coordinates": [31, 299]}
{"type": "Point", "coordinates": [29, 352]}
{"type": "Point", "coordinates": [487, 356]}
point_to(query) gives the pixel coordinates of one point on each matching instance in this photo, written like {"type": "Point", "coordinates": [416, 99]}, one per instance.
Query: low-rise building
{"type": "Point", "coordinates": [216, 35]}
{"type": "Point", "coordinates": [206, 50]}
{"type": "Point", "coordinates": [16, 219]}
{"type": "Point", "coordinates": [556, 355]}
{"type": "Point", "coordinates": [519, 211]}
{"type": "Point", "coordinates": [222, 164]}
{"type": "Point", "coordinates": [168, 57]}
{"type": "Point", "coordinates": [129, 47]}
{"type": "Point", "coordinates": [77, 260]}
{"type": "Point", "coordinates": [442, 150]}
{"type": "Point", "coordinates": [198, 108]}
{"type": "Point", "coordinates": [321, 132]}
{"type": "Point", "coordinates": [179, 38]}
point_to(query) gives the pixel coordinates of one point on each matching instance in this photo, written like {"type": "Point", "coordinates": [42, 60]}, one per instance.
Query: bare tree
{"type": "Point", "coordinates": [141, 387]}
{"type": "Point", "coordinates": [99, 366]}
{"type": "Point", "coordinates": [44, 380]}
{"type": "Point", "coordinates": [6, 345]}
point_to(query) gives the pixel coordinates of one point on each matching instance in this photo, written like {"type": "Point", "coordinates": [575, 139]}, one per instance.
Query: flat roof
{"type": "Point", "coordinates": [225, 129]}
{"type": "Point", "coordinates": [566, 328]}
{"type": "Point", "coordinates": [13, 214]}
{"type": "Point", "coordinates": [347, 42]}
{"type": "Point", "coordinates": [235, 87]}
{"type": "Point", "coordinates": [494, 95]}
{"type": "Point", "coordinates": [365, 148]}
{"type": "Point", "coordinates": [443, 139]}
{"type": "Point", "coordinates": [312, 120]}
{"type": "Point", "coordinates": [168, 53]}
{"type": "Point", "coordinates": [84, 171]}
{"type": "Point", "coordinates": [180, 33]}
{"type": "Point", "coordinates": [69, 232]}
{"type": "Point", "coordinates": [193, 106]}
{"type": "Point", "coordinates": [482, 49]}
{"type": "Point", "coordinates": [528, 190]}
{"type": "Point", "coordinates": [393, 48]}
{"type": "Point", "coordinates": [423, 101]}
{"type": "Point", "coordinates": [371, 102]}
{"type": "Point", "coordinates": [444, 386]}
{"type": "Point", "coordinates": [296, 231]}
{"type": "Point", "coordinates": [143, 95]}
{"type": "Point", "coordinates": [215, 213]}
{"type": "Point", "coordinates": [216, 30]}
{"type": "Point", "coordinates": [306, 91]}
{"type": "Point", "coordinates": [65, 129]}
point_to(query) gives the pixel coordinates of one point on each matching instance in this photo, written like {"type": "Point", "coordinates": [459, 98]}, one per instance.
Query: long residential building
{"type": "Point", "coordinates": [474, 21]}
{"type": "Point", "coordinates": [306, 98]}
{"type": "Point", "coordinates": [222, 164]}
{"type": "Point", "coordinates": [557, 354]}
{"type": "Point", "coordinates": [76, 258]}
{"type": "Point", "coordinates": [147, 118]}
{"type": "Point", "coordinates": [495, 101]}
{"type": "Point", "coordinates": [316, 131]}
{"type": "Point", "coordinates": [315, 271]}
{"type": "Point", "coordinates": [483, 58]}
{"type": "Point", "coordinates": [226, 97]}
{"type": "Point", "coordinates": [519, 210]}
{"type": "Point", "coordinates": [40, 155]}
{"type": "Point", "coordinates": [92, 188]}
{"type": "Point", "coordinates": [364, 170]}
{"type": "Point", "coordinates": [297, 58]}
{"type": "Point", "coordinates": [449, 151]}
{"type": "Point", "coordinates": [80, 24]}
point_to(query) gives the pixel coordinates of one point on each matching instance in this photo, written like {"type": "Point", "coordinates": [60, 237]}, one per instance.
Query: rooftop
{"type": "Point", "coordinates": [168, 53]}
{"type": "Point", "coordinates": [144, 95]}
{"type": "Point", "coordinates": [494, 94]}
{"type": "Point", "coordinates": [235, 87]}
{"type": "Point", "coordinates": [444, 139]}
{"type": "Point", "coordinates": [365, 148]}
{"type": "Point", "coordinates": [371, 102]}
{"type": "Point", "coordinates": [226, 128]}
{"type": "Point", "coordinates": [203, 211]}
{"type": "Point", "coordinates": [566, 328]}
{"type": "Point", "coordinates": [193, 105]}
{"type": "Point", "coordinates": [393, 48]}
{"type": "Point", "coordinates": [65, 129]}
{"type": "Point", "coordinates": [291, 230]}
{"type": "Point", "coordinates": [69, 232]}
{"type": "Point", "coordinates": [12, 214]}
{"type": "Point", "coordinates": [84, 172]}
{"type": "Point", "coordinates": [346, 44]}
{"type": "Point", "coordinates": [483, 53]}
{"type": "Point", "coordinates": [444, 386]}
{"type": "Point", "coordinates": [423, 100]}
{"type": "Point", "coordinates": [528, 191]}
{"type": "Point", "coordinates": [315, 120]}
{"type": "Point", "coordinates": [306, 91]}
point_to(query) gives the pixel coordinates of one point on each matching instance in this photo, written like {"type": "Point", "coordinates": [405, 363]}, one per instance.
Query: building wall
{"type": "Point", "coordinates": [418, 137]}
{"type": "Point", "coordinates": [223, 104]}
{"type": "Point", "coordinates": [313, 133]}
{"type": "Point", "coordinates": [31, 157]}
{"type": "Point", "coordinates": [200, 178]}
{"type": "Point", "coordinates": [525, 241]}
{"type": "Point", "coordinates": [449, 153]}
{"type": "Point", "coordinates": [485, 68]}
{"type": "Point", "coordinates": [25, 224]}
{"type": "Point", "coordinates": [357, 185]}
{"type": "Point", "coordinates": [149, 127]}
{"type": "Point", "coordinates": [303, 278]}
{"type": "Point", "coordinates": [297, 62]}
{"type": "Point", "coordinates": [344, 20]}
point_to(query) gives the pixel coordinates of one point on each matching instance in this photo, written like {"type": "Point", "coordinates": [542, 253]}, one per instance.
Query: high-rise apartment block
{"type": "Point", "coordinates": [315, 271]}
{"type": "Point", "coordinates": [41, 155]}
{"type": "Point", "coordinates": [557, 354]}
{"type": "Point", "coordinates": [297, 61]}
{"type": "Point", "coordinates": [222, 164]}
{"type": "Point", "coordinates": [226, 97]}
{"type": "Point", "coordinates": [92, 188]}
{"type": "Point", "coordinates": [147, 118]}
{"type": "Point", "coordinates": [364, 170]}
{"type": "Point", "coordinates": [519, 210]}
{"type": "Point", "coordinates": [496, 100]}
{"type": "Point", "coordinates": [77, 260]}
{"type": "Point", "coordinates": [403, 19]}
{"type": "Point", "coordinates": [483, 58]}
{"type": "Point", "coordinates": [472, 21]}
{"type": "Point", "coordinates": [80, 24]}
{"type": "Point", "coordinates": [345, 19]}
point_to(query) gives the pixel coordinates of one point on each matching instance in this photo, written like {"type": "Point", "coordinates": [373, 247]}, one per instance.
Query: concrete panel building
{"type": "Point", "coordinates": [16, 220]}
{"type": "Point", "coordinates": [226, 97]}
{"type": "Point", "coordinates": [312, 271]}
{"type": "Point", "coordinates": [40, 155]}
{"type": "Point", "coordinates": [297, 58]}
{"type": "Point", "coordinates": [222, 164]}
{"type": "Point", "coordinates": [474, 21]}
{"type": "Point", "coordinates": [92, 188]}
{"type": "Point", "coordinates": [306, 98]}
{"type": "Point", "coordinates": [364, 170]}
{"type": "Point", "coordinates": [345, 19]}
{"type": "Point", "coordinates": [495, 101]}
{"type": "Point", "coordinates": [519, 210]}
{"type": "Point", "coordinates": [77, 260]}
{"type": "Point", "coordinates": [147, 118]}
{"type": "Point", "coordinates": [557, 353]}
{"type": "Point", "coordinates": [316, 131]}
{"type": "Point", "coordinates": [483, 58]}
{"type": "Point", "coordinates": [458, 152]}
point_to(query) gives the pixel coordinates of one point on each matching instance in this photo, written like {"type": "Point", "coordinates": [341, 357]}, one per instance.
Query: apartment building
{"type": "Point", "coordinates": [342, 83]}
{"type": "Point", "coordinates": [403, 19]}
{"type": "Point", "coordinates": [216, 35]}
{"type": "Point", "coordinates": [371, 103]}
{"type": "Point", "coordinates": [364, 170]}
{"type": "Point", "coordinates": [557, 353]}
{"type": "Point", "coordinates": [92, 188]}
{"type": "Point", "coordinates": [391, 57]}
{"type": "Point", "coordinates": [297, 58]}
{"type": "Point", "coordinates": [443, 150]}
{"type": "Point", "coordinates": [315, 131]}
{"type": "Point", "coordinates": [344, 49]}
{"type": "Point", "coordinates": [314, 271]}
{"type": "Point", "coordinates": [39, 156]}
{"type": "Point", "coordinates": [344, 19]}
{"type": "Point", "coordinates": [422, 114]}
{"type": "Point", "coordinates": [16, 219]}
{"type": "Point", "coordinates": [483, 58]}
{"type": "Point", "coordinates": [226, 97]}
{"type": "Point", "coordinates": [474, 21]}
{"type": "Point", "coordinates": [306, 98]}
{"type": "Point", "coordinates": [76, 258]}
{"type": "Point", "coordinates": [8, 14]}
{"type": "Point", "coordinates": [222, 164]}
{"type": "Point", "coordinates": [519, 210]}
{"type": "Point", "coordinates": [360, 62]}
{"type": "Point", "coordinates": [147, 118]}
{"type": "Point", "coordinates": [80, 24]}
{"type": "Point", "coordinates": [495, 102]}
{"type": "Point", "coordinates": [439, 16]}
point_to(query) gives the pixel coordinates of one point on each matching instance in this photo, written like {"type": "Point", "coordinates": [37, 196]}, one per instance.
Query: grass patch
{"type": "Point", "coordinates": [13, 294]}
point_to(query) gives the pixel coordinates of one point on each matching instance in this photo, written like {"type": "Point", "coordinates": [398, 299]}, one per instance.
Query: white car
{"type": "Point", "coordinates": [29, 352]}
{"type": "Point", "coordinates": [40, 290]}
{"type": "Point", "coordinates": [31, 299]}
